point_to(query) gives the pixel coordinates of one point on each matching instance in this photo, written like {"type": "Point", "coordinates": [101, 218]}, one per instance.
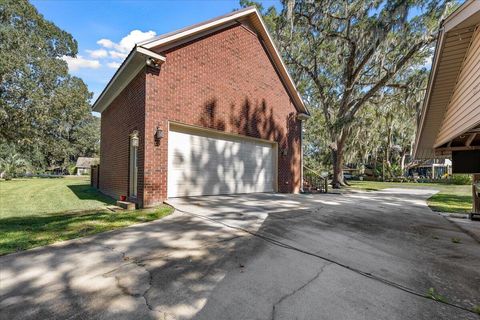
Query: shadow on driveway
{"type": "Point", "coordinates": [198, 263]}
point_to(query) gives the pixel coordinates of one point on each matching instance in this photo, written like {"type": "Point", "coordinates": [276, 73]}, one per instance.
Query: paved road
{"type": "Point", "coordinates": [260, 256]}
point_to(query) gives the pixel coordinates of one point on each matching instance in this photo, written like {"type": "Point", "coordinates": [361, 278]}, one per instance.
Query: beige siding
{"type": "Point", "coordinates": [463, 111]}
{"type": "Point", "coordinates": [450, 61]}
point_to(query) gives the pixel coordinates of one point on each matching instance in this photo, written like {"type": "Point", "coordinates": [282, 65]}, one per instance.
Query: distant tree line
{"type": "Point", "coordinates": [45, 113]}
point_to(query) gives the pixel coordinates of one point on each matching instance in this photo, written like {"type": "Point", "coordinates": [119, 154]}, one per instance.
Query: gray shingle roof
{"type": "Point", "coordinates": [84, 162]}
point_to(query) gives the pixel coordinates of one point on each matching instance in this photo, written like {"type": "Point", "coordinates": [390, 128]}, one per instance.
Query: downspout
{"type": "Point", "coordinates": [302, 117]}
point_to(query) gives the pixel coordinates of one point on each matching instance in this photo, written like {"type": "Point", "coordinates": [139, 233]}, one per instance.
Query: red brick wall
{"type": "Point", "coordinates": [226, 82]}
{"type": "Point", "coordinates": [124, 115]}
{"type": "Point", "coordinates": [94, 174]}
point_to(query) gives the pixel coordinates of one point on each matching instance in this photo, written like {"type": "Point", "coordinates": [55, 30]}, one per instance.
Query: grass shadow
{"type": "Point", "coordinates": [86, 192]}
{"type": "Point", "coordinates": [21, 233]}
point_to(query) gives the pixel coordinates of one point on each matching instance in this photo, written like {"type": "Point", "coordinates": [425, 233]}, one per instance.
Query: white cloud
{"type": "Point", "coordinates": [134, 37]}
{"type": "Point", "coordinates": [117, 55]}
{"type": "Point", "coordinates": [114, 65]}
{"type": "Point", "coordinates": [80, 62]}
{"type": "Point", "coordinates": [100, 53]}
{"type": "Point", "coordinates": [121, 49]}
{"type": "Point", "coordinates": [106, 43]}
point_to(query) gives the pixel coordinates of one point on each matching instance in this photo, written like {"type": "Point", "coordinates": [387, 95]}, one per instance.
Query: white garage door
{"type": "Point", "coordinates": [201, 163]}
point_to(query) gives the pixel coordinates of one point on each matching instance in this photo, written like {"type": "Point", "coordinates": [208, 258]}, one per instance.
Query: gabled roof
{"type": "Point", "coordinates": [85, 162]}
{"type": "Point", "coordinates": [452, 46]}
{"type": "Point", "coordinates": [249, 16]}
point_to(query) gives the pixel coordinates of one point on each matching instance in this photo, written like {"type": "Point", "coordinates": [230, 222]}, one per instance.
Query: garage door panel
{"type": "Point", "coordinates": [201, 164]}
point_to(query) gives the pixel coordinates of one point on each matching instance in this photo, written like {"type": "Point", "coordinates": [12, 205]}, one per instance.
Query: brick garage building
{"type": "Point", "coordinates": [209, 109]}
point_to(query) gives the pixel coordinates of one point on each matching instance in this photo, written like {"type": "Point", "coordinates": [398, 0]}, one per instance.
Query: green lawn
{"type": "Point", "coordinates": [36, 212]}
{"type": "Point", "coordinates": [450, 198]}
{"type": "Point", "coordinates": [31, 197]}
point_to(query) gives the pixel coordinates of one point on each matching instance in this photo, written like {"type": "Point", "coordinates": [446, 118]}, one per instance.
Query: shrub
{"type": "Point", "coordinates": [12, 165]}
{"type": "Point", "coordinates": [461, 179]}
{"type": "Point", "coordinates": [72, 169]}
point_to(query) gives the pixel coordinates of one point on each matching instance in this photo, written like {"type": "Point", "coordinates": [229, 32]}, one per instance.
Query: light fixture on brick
{"type": "Point", "coordinates": [151, 62]}
{"type": "Point", "coordinates": [158, 135]}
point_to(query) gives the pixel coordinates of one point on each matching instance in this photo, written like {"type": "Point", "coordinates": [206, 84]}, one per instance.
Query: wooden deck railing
{"type": "Point", "coordinates": [314, 182]}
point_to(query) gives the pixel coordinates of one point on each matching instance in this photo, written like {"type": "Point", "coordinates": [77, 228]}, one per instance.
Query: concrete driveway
{"type": "Point", "coordinates": [265, 256]}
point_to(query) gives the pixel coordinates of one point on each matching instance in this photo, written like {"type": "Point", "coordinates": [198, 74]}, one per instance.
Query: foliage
{"type": "Point", "coordinates": [358, 63]}
{"type": "Point", "coordinates": [72, 169]}
{"type": "Point", "coordinates": [434, 295]}
{"type": "Point", "coordinates": [44, 111]}
{"type": "Point", "coordinates": [12, 164]}
{"type": "Point", "coordinates": [461, 179]}
{"type": "Point", "coordinates": [476, 309]}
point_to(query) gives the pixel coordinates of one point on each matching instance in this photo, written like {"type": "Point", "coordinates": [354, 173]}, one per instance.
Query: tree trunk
{"type": "Point", "coordinates": [337, 162]}
{"type": "Point", "coordinates": [476, 199]}
{"type": "Point", "coordinates": [387, 152]}
{"type": "Point", "coordinates": [402, 163]}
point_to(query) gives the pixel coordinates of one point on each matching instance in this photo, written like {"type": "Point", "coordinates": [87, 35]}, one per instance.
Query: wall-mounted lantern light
{"type": "Point", "coordinates": [284, 152]}
{"type": "Point", "coordinates": [158, 135]}
{"type": "Point", "coordinates": [154, 63]}
{"type": "Point", "coordinates": [134, 139]}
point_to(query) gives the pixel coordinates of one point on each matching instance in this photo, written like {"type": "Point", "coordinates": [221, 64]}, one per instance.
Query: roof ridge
{"type": "Point", "coordinates": [196, 25]}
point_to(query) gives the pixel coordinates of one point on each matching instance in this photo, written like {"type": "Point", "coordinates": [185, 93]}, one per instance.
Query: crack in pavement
{"type": "Point", "coordinates": [294, 292]}
{"type": "Point", "coordinates": [150, 284]}
{"type": "Point", "coordinates": [140, 262]}
{"type": "Point", "coordinates": [229, 239]}
{"type": "Point", "coordinates": [134, 261]}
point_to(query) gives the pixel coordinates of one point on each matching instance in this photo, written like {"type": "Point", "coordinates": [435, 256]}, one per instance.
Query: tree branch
{"type": "Point", "coordinates": [354, 106]}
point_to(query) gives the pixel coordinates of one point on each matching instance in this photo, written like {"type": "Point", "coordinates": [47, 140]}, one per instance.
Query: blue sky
{"type": "Point", "coordinates": [106, 30]}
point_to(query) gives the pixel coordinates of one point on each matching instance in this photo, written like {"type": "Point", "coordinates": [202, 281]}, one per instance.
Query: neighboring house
{"type": "Point", "coordinates": [209, 109]}
{"type": "Point", "coordinates": [84, 165]}
{"type": "Point", "coordinates": [450, 120]}
{"type": "Point", "coordinates": [431, 168]}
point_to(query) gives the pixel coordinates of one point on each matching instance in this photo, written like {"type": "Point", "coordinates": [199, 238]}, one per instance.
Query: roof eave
{"type": "Point", "coordinates": [431, 81]}
{"type": "Point", "coordinates": [470, 9]}
{"type": "Point", "coordinates": [283, 68]}
{"type": "Point", "coordinates": [130, 67]}
{"type": "Point", "coordinates": [192, 30]}
{"type": "Point", "coordinates": [466, 15]}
